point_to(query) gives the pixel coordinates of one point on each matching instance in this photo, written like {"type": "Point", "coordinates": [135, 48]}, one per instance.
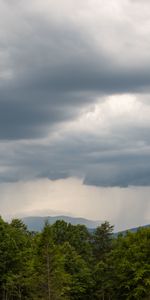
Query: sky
{"type": "Point", "coordinates": [75, 109]}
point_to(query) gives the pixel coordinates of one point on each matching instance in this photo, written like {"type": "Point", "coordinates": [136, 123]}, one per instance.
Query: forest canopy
{"type": "Point", "coordinates": [65, 261]}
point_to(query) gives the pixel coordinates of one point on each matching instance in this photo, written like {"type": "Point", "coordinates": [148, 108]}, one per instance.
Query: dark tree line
{"type": "Point", "coordinates": [68, 262]}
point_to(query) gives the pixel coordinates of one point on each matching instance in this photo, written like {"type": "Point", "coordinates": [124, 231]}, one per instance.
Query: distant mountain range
{"type": "Point", "coordinates": [37, 223]}
{"type": "Point", "coordinates": [132, 229]}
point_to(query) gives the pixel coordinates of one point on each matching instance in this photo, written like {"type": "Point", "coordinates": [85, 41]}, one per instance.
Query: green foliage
{"type": "Point", "coordinates": [81, 282]}
{"type": "Point", "coordinates": [131, 264]}
{"type": "Point", "coordinates": [102, 240]}
{"type": "Point", "coordinates": [77, 236]}
{"type": "Point", "coordinates": [15, 260]}
{"type": "Point", "coordinates": [50, 276]}
{"type": "Point", "coordinates": [66, 262]}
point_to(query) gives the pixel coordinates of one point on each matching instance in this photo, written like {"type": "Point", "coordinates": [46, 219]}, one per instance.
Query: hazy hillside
{"type": "Point", "coordinates": [36, 223]}
{"type": "Point", "coordinates": [135, 229]}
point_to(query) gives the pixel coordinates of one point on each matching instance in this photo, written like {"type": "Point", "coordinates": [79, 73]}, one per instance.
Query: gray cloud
{"type": "Point", "coordinates": [118, 156]}
{"type": "Point", "coordinates": [54, 66]}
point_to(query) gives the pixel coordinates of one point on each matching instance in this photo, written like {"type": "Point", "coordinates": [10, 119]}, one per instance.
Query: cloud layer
{"type": "Point", "coordinates": [74, 91]}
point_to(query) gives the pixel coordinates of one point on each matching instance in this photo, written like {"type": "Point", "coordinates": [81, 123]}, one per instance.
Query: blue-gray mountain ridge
{"type": "Point", "coordinates": [36, 223]}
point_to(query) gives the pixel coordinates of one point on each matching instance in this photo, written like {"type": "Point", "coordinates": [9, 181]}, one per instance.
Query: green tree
{"type": "Point", "coordinates": [15, 255]}
{"type": "Point", "coordinates": [131, 264]}
{"type": "Point", "coordinates": [51, 279]}
{"type": "Point", "coordinates": [102, 240]}
{"type": "Point", "coordinates": [78, 236]}
{"type": "Point", "coordinates": [80, 285]}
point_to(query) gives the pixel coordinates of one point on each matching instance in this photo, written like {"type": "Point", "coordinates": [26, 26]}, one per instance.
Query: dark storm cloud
{"type": "Point", "coordinates": [114, 159]}
{"type": "Point", "coordinates": [32, 115]}
{"type": "Point", "coordinates": [51, 68]}
{"type": "Point", "coordinates": [53, 65]}
{"type": "Point", "coordinates": [119, 174]}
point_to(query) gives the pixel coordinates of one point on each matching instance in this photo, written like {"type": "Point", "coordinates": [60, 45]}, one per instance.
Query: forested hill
{"type": "Point", "coordinates": [36, 223]}
{"type": "Point", "coordinates": [67, 262]}
{"type": "Point", "coordinates": [134, 229]}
